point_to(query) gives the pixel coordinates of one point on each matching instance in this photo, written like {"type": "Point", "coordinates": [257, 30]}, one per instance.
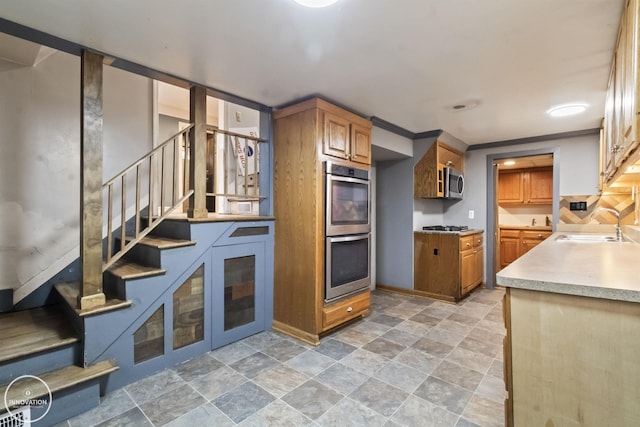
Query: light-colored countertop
{"type": "Point", "coordinates": [600, 270]}
{"type": "Point", "coordinates": [459, 233]}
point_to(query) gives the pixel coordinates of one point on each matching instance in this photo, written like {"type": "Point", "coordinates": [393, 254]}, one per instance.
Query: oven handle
{"type": "Point", "coordinates": [347, 179]}
{"type": "Point", "coordinates": [350, 238]}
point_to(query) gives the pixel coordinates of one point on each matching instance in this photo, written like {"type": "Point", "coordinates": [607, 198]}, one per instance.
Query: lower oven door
{"type": "Point", "coordinates": [348, 265]}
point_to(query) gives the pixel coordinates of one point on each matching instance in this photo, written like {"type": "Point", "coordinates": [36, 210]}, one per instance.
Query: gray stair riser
{"type": "Point", "coordinates": [39, 363]}
{"type": "Point", "coordinates": [143, 254]}
{"type": "Point", "coordinates": [173, 229]}
{"type": "Point", "coordinates": [68, 403]}
{"type": "Point", "coordinates": [114, 287]}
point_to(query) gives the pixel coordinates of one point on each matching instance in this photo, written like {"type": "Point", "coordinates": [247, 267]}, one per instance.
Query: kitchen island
{"type": "Point", "coordinates": [572, 349]}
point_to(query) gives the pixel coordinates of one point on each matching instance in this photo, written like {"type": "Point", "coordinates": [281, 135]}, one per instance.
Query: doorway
{"type": "Point", "coordinates": [527, 201]}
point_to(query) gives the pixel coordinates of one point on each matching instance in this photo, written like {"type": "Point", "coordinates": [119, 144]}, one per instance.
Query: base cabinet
{"type": "Point", "coordinates": [571, 360]}
{"type": "Point", "coordinates": [446, 265]}
{"type": "Point", "coordinates": [516, 241]}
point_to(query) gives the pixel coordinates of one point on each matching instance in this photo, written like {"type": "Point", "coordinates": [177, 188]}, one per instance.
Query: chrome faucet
{"type": "Point", "coordinates": [617, 214]}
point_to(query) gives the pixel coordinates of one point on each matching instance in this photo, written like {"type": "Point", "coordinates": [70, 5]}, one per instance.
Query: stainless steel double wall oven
{"type": "Point", "coordinates": [347, 230]}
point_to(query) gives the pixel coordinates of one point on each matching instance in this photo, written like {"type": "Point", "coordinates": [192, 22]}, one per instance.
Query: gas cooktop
{"type": "Point", "coordinates": [446, 227]}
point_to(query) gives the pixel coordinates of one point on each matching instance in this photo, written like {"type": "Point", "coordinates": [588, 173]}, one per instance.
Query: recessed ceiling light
{"type": "Point", "coordinates": [466, 105]}
{"type": "Point", "coordinates": [509, 163]}
{"type": "Point", "coordinates": [566, 110]}
{"type": "Point", "coordinates": [316, 3]}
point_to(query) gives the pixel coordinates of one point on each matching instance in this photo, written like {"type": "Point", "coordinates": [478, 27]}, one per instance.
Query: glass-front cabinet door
{"type": "Point", "coordinates": [238, 292]}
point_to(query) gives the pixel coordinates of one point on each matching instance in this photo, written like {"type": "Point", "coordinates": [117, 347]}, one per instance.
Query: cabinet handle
{"type": "Point", "coordinates": [468, 244]}
{"type": "Point", "coordinates": [539, 236]}
{"type": "Point", "coordinates": [479, 241]}
{"type": "Point", "coordinates": [349, 310]}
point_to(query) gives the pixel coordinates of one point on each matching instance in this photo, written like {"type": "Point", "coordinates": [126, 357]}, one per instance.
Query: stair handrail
{"type": "Point", "coordinates": [236, 192]}
{"type": "Point", "coordinates": [177, 199]}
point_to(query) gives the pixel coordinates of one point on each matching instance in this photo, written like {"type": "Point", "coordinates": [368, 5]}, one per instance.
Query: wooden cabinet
{"type": "Point", "coordinates": [620, 136]}
{"type": "Point", "coordinates": [510, 187]}
{"type": "Point", "coordinates": [428, 173]}
{"type": "Point", "coordinates": [446, 265]}
{"type": "Point", "coordinates": [305, 136]}
{"type": "Point", "coordinates": [570, 360]}
{"type": "Point", "coordinates": [471, 262]}
{"type": "Point", "coordinates": [509, 246]}
{"type": "Point", "coordinates": [345, 138]}
{"type": "Point", "coordinates": [344, 310]}
{"type": "Point", "coordinates": [516, 241]}
{"type": "Point", "coordinates": [525, 186]}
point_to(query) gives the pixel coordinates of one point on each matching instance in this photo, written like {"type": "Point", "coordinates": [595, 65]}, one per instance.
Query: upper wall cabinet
{"type": "Point", "coordinates": [345, 136]}
{"type": "Point", "coordinates": [525, 186]}
{"type": "Point", "coordinates": [619, 138]}
{"type": "Point", "coordinates": [428, 173]}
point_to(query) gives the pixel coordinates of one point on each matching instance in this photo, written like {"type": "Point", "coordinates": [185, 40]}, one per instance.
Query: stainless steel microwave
{"type": "Point", "coordinates": [453, 183]}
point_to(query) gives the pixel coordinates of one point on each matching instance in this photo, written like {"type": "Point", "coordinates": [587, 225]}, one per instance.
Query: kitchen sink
{"type": "Point", "coordinates": [588, 238]}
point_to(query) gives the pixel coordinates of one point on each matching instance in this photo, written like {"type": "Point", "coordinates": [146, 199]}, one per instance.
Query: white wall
{"type": "Point", "coordinates": [40, 161]}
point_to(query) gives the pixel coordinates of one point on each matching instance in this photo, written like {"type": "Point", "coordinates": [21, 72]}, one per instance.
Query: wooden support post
{"type": "Point", "coordinates": [198, 152]}
{"type": "Point", "coordinates": [91, 292]}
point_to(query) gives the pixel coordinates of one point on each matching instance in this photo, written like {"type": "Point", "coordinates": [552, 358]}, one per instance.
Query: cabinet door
{"type": "Point", "coordinates": [467, 270]}
{"type": "Point", "coordinates": [360, 144]}
{"type": "Point", "coordinates": [510, 187]}
{"type": "Point", "coordinates": [509, 250]}
{"type": "Point", "coordinates": [238, 284]}
{"type": "Point", "coordinates": [336, 136]}
{"type": "Point", "coordinates": [540, 186]}
{"type": "Point", "coordinates": [479, 265]}
{"type": "Point", "coordinates": [530, 239]}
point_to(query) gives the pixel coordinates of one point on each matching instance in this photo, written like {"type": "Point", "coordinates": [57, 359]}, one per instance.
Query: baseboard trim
{"type": "Point", "coordinates": [294, 332]}
{"type": "Point", "coordinates": [413, 292]}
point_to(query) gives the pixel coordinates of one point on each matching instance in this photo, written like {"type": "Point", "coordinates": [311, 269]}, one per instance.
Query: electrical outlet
{"type": "Point", "coordinates": [472, 214]}
{"type": "Point", "coordinates": [578, 206]}
{"type": "Point", "coordinates": [238, 116]}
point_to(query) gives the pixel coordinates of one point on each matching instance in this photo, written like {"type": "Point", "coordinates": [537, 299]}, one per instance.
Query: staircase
{"type": "Point", "coordinates": [64, 355]}
{"type": "Point", "coordinates": [41, 343]}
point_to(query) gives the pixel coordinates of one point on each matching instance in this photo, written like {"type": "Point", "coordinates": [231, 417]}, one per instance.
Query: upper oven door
{"type": "Point", "coordinates": [348, 205]}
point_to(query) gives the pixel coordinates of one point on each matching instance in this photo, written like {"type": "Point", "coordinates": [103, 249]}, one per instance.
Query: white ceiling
{"type": "Point", "coordinates": [404, 61]}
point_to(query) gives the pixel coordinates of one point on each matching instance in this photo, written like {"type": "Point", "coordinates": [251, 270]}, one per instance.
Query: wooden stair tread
{"type": "Point", "coordinates": [60, 379]}
{"type": "Point", "coordinates": [70, 291]}
{"type": "Point", "coordinates": [163, 242]}
{"type": "Point", "coordinates": [32, 331]}
{"type": "Point", "coordinates": [127, 270]}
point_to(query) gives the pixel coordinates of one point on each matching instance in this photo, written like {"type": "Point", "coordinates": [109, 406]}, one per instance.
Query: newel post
{"type": "Point", "coordinates": [91, 292]}
{"type": "Point", "coordinates": [198, 152]}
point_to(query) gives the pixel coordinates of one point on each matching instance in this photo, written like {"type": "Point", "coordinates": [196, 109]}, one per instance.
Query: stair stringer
{"type": "Point", "coordinates": [103, 329]}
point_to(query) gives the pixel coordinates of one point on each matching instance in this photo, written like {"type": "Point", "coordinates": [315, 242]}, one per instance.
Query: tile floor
{"type": "Point", "coordinates": [411, 362]}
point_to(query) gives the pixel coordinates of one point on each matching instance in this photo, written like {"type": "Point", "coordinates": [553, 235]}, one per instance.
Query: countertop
{"type": "Point", "coordinates": [459, 233]}
{"type": "Point", "coordinates": [598, 270]}
{"type": "Point", "coordinates": [527, 227]}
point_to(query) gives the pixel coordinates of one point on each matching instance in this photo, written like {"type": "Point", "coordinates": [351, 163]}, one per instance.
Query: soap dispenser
{"type": "Point", "coordinates": [547, 221]}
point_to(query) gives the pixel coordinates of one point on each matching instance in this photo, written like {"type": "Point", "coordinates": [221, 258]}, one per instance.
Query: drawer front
{"type": "Point", "coordinates": [342, 311]}
{"type": "Point", "coordinates": [478, 240]}
{"type": "Point", "coordinates": [466, 242]}
{"type": "Point", "coordinates": [509, 233]}
{"type": "Point", "coordinates": [535, 235]}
